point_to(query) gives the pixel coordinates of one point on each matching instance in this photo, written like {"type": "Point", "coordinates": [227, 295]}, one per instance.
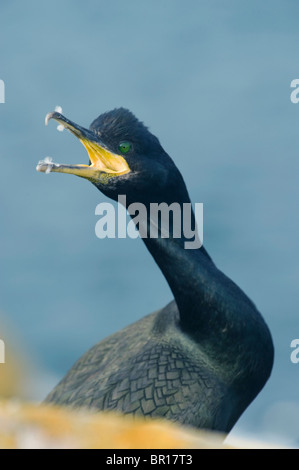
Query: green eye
{"type": "Point", "coordinates": [124, 147]}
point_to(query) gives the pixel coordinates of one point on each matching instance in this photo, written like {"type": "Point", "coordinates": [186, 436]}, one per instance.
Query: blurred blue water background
{"type": "Point", "coordinates": [212, 81]}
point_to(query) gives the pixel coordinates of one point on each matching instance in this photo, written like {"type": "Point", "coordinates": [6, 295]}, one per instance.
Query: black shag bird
{"type": "Point", "coordinates": [201, 359]}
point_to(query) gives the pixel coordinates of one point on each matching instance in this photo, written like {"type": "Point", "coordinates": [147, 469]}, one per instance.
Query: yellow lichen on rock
{"type": "Point", "coordinates": [43, 426]}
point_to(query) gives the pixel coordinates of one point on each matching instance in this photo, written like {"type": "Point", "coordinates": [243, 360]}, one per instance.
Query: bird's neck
{"type": "Point", "coordinates": [212, 308]}
{"type": "Point", "coordinates": [170, 233]}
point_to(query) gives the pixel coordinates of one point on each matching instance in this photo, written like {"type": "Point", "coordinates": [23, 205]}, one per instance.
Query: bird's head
{"type": "Point", "coordinates": [124, 158]}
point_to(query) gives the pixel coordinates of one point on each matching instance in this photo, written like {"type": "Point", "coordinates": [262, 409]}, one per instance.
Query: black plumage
{"type": "Point", "coordinates": [203, 358]}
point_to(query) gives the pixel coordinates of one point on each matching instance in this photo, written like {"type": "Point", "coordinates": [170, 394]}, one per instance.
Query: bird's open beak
{"type": "Point", "coordinates": [102, 160]}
